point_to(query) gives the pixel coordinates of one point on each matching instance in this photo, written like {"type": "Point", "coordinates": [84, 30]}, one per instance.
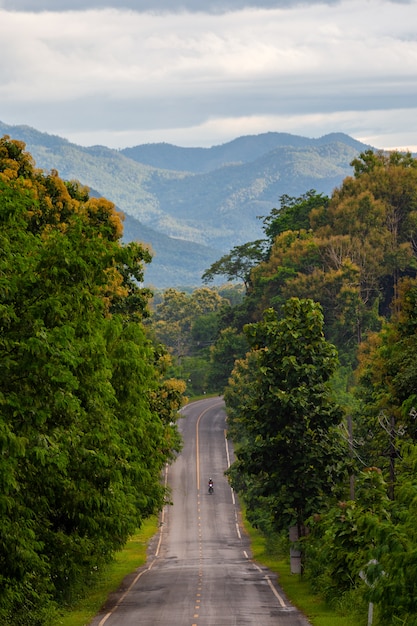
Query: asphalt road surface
{"type": "Point", "coordinates": [199, 571]}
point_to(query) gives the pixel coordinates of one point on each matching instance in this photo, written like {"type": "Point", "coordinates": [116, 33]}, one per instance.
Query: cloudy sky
{"type": "Point", "coordinates": [193, 73]}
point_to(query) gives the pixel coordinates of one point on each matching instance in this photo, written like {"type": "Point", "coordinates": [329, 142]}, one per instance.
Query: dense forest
{"type": "Point", "coordinates": [312, 341]}
{"type": "Point", "coordinates": [316, 358]}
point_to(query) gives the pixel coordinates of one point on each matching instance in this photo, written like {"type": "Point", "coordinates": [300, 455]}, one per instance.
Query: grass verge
{"type": "Point", "coordinates": [125, 562]}
{"type": "Point", "coordinates": [296, 588]}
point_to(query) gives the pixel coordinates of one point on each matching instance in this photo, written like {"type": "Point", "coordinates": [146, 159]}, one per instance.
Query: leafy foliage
{"type": "Point", "coordinates": [86, 420]}
{"type": "Point", "coordinates": [293, 214]}
{"type": "Point", "coordinates": [238, 263]}
{"type": "Point", "coordinates": [88, 405]}
{"type": "Point", "coordinates": [229, 347]}
{"type": "Point", "coordinates": [347, 252]}
{"type": "Point", "coordinates": [189, 324]}
{"type": "Point", "coordinates": [341, 544]}
{"type": "Point", "coordinates": [283, 418]}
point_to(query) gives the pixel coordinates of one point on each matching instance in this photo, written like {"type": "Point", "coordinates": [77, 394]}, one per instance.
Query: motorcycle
{"type": "Point", "coordinates": [210, 488]}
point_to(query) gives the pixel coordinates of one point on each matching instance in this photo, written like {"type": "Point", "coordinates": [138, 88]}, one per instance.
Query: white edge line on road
{"type": "Point", "coordinates": [268, 580]}
{"type": "Point", "coordinates": [227, 449]}
{"type": "Point", "coordinates": [106, 617]}
{"type": "Point", "coordinates": [275, 592]}
{"type": "Point", "coordinates": [273, 589]}
{"type": "Point", "coordinates": [228, 465]}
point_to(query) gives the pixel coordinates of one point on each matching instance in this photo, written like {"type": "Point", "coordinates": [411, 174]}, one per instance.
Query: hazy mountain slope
{"type": "Point", "coordinates": [221, 208]}
{"type": "Point", "coordinates": [241, 150]}
{"type": "Point", "coordinates": [194, 204]}
{"type": "Point", "coordinates": [117, 178]}
{"type": "Point", "coordinates": [175, 262]}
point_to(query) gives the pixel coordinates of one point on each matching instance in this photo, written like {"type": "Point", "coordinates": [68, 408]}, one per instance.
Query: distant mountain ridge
{"type": "Point", "coordinates": [236, 152]}
{"type": "Point", "coordinates": [191, 205]}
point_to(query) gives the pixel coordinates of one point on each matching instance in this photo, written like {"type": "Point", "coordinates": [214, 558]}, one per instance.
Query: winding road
{"type": "Point", "coordinates": [200, 572]}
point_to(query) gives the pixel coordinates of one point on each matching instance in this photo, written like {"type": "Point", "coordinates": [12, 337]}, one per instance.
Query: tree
{"type": "Point", "coordinates": [25, 586]}
{"type": "Point", "coordinates": [386, 386]}
{"type": "Point", "coordinates": [184, 322]}
{"type": "Point", "coordinates": [293, 214]}
{"type": "Point", "coordinates": [343, 542]}
{"type": "Point", "coordinates": [391, 179]}
{"type": "Point", "coordinates": [369, 545]}
{"type": "Point", "coordinates": [230, 346]}
{"type": "Point", "coordinates": [393, 571]}
{"type": "Point", "coordinates": [358, 245]}
{"type": "Point", "coordinates": [283, 418]}
{"type": "Point", "coordinates": [238, 263]}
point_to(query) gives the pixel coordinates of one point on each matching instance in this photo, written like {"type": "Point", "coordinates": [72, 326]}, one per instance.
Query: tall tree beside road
{"type": "Point", "coordinates": [81, 435]}
{"type": "Point", "coordinates": [283, 419]}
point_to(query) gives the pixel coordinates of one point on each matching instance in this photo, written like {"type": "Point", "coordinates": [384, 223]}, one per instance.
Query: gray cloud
{"type": "Point", "coordinates": [167, 6]}
{"type": "Point", "coordinates": [170, 6]}
{"type": "Point", "coordinates": [122, 77]}
{"type": "Point", "coordinates": [146, 112]}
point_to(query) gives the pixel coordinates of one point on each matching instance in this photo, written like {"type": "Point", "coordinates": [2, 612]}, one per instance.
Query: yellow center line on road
{"type": "Point", "coordinates": [197, 465]}
{"type": "Point", "coordinates": [197, 441]}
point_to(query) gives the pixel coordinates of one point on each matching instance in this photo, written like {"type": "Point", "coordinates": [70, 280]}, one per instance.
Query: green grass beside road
{"type": "Point", "coordinates": [296, 588]}
{"type": "Point", "coordinates": [126, 561]}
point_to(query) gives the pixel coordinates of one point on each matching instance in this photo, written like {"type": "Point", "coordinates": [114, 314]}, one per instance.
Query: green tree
{"type": "Point", "coordinates": [369, 545]}
{"type": "Point", "coordinates": [237, 265]}
{"type": "Point", "coordinates": [186, 322]}
{"type": "Point", "coordinates": [232, 292]}
{"type": "Point", "coordinates": [357, 246]}
{"type": "Point", "coordinates": [386, 382]}
{"type": "Point", "coordinates": [204, 331]}
{"type": "Point", "coordinates": [393, 570]}
{"type": "Point", "coordinates": [342, 540]}
{"type": "Point", "coordinates": [25, 586]}
{"type": "Point", "coordinates": [230, 346]}
{"type": "Point", "coordinates": [293, 214]}
{"type": "Point", "coordinates": [284, 420]}
{"type": "Point", "coordinates": [391, 180]}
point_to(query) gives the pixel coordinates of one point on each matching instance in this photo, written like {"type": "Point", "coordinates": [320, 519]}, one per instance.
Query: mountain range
{"type": "Point", "coordinates": [192, 205]}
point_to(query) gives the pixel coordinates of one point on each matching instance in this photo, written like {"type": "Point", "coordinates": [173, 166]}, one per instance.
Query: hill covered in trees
{"type": "Point", "coordinates": [193, 204]}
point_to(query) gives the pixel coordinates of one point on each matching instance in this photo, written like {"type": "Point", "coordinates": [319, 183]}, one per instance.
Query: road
{"type": "Point", "coordinates": [200, 572]}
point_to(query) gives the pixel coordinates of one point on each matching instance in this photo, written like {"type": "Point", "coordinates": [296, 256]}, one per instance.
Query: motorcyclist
{"type": "Point", "coordinates": [210, 484]}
